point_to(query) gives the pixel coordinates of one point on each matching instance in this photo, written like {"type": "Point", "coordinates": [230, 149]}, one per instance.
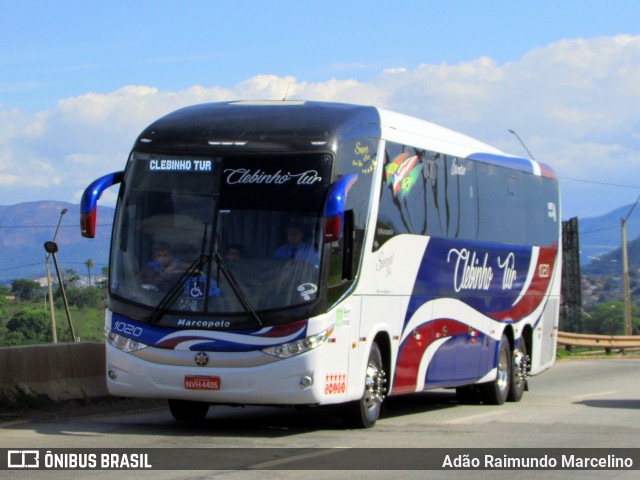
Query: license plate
{"type": "Point", "coordinates": [201, 382]}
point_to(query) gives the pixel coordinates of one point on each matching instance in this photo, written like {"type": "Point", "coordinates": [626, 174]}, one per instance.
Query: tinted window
{"type": "Point", "coordinates": [462, 201]}
{"type": "Point", "coordinates": [541, 210]}
{"type": "Point", "coordinates": [404, 193]}
{"type": "Point", "coordinates": [517, 207]}
{"type": "Point", "coordinates": [428, 193]}
{"type": "Point", "coordinates": [354, 156]}
{"type": "Point", "coordinates": [501, 205]}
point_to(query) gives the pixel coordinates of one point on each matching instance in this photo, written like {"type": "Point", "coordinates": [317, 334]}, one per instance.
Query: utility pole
{"type": "Point", "coordinates": [628, 330]}
{"type": "Point", "coordinates": [52, 248]}
{"type": "Point", "coordinates": [54, 334]}
{"type": "Point", "coordinates": [625, 281]}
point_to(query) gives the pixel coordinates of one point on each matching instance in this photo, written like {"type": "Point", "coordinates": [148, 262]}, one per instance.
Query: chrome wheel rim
{"type": "Point", "coordinates": [375, 381]}
{"type": "Point", "coordinates": [503, 373]}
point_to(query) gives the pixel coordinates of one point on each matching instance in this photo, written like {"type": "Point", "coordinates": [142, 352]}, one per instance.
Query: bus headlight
{"type": "Point", "coordinates": [123, 343]}
{"type": "Point", "coordinates": [290, 349]}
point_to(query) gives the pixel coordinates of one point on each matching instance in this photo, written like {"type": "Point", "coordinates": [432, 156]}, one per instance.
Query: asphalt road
{"type": "Point", "coordinates": [577, 404]}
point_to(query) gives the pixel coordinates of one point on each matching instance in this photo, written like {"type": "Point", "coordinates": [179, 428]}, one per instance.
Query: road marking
{"type": "Point", "coordinates": [600, 394]}
{"type": "Point", "coordinates": [472, 418]}
{"type": "Point", "coordinates": [294, 458]}
{"type": "Point", "coordinates": [80, 434]}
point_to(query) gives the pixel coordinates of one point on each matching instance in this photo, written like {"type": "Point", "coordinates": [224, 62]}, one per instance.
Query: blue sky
{"type": "Point", "coordinates": [79, 79]}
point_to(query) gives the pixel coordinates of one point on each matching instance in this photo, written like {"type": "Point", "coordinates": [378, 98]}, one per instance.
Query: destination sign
{"type": "Point", "coordinates": [180, 165]}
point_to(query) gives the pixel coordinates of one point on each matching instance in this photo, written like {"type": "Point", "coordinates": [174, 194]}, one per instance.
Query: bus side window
{"type": "Point", "coordinates": [342, 261]}
{"type": "Point", "coordinates": [501, 205]}
{"type": "Point", "coordinates": [462, 203]}
{"type": "Point", "coordinates": [435, 186]}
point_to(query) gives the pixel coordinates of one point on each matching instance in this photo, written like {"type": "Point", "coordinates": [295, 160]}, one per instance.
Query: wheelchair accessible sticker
{"type": "Point", "coordinates": [195, 289]}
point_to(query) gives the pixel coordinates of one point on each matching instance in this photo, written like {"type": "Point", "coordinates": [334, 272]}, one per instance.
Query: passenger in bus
{"type": "Point", "coordinates": [235, 253]}
{"type": "Point", "coordinates": [164, 269]}
{"type": "Point", "coordinates": [296, 248]}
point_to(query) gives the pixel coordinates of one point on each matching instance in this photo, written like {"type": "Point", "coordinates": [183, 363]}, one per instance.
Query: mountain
{"type": "Point", "coordinates": [611, 263]}
{"type": "Point", "coordinates": [25, 227]}
{"type": "Point", "coordinates": [601, 235]}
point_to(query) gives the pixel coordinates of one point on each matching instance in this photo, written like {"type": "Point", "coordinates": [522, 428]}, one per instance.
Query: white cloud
{"type": "Point", "coordinates": [395, 70]}
{"type": "Point", "coordinates": [574, 102]}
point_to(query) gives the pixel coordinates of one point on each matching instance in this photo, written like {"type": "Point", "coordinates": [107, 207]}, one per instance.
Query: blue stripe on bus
{"type": "Point", "coordinates": [441, 263]}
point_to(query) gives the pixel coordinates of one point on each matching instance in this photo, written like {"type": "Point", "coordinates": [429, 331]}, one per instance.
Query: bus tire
{"type": "Point", "coordinates": [519, 372]}
{"type": "Point", "coordinates": [497, 391]}
{"type": "Point", "coordinates": [365, 412]}
{"type": "Point", "coordinates": [188, 411]}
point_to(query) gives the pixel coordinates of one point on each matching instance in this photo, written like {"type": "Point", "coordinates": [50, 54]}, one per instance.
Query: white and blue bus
{"type": "Point", "coordinates": [321, 253]}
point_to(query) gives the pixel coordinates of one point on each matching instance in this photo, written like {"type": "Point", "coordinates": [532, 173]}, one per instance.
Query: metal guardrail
{"type": "Point", "coordinates": [606, 342]}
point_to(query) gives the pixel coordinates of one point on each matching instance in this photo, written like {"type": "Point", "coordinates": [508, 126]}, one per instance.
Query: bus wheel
{"type": "Point", "coordinates": [519, 372]}
{"type": "Point", "coordinates": [365, 412]}
{"type": "Point", "coordinates": [188, 411]}
{"type": "Point", "coordinates": [496, 392]}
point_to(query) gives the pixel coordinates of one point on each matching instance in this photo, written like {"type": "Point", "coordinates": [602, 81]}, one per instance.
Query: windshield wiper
{"type": "Point", "coordinates": [237, 289]}
{"type": "Point", "coordinates": [198, 265]}
{"type": "Point", "coordinates": [176, 289]}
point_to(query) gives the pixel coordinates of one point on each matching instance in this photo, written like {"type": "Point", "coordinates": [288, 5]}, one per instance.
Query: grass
{"type": "Point", "coordinates": [585, 352]}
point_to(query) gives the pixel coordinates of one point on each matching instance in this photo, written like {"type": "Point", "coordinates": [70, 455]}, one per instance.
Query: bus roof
{"type": "Point", "coordinates": [296, 124]}
{"type": "Point", "coordinates": [414, 131]}
{"type": "Point", "coordinates": [259, 125]}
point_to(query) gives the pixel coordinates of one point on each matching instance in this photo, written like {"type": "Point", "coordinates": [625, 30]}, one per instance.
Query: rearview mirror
{"type": "Point", "coordinates": [334, 207]}
{"type": "Point", "coordinates": [89, 202]}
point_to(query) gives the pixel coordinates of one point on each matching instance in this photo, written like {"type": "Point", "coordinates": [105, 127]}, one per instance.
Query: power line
{"type": "Point", "coordinates": [21, 266]}
{"type": "Point", "coordinates": [619, 185]}
{"type": "Point", "coordinates": [42, 264]}
{"type": "Point", "coordinates": [600, 229]}
{"type": "Point", "coordinates": [630, 211]}
{"type": "Point", "coordinates": [51, 226]}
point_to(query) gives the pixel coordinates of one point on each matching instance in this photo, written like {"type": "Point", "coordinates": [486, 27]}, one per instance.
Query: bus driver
{"type": "Point", "coordinates": [295, 248]}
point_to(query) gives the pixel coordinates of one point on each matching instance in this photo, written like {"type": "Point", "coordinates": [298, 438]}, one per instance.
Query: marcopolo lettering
{"type": "Point", "coordinates": [204, 323]}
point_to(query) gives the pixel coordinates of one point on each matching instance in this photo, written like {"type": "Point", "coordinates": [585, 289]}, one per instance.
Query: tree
{"type": "Point", "coordinates": [89, 264]}
{"type": "Point", "coordinates": [104, 282]}
{"type": "Point", "coordinates": [28, 326]}
{"type": "Point", "coordinates": [25, 289]}
{"type": "Point", "coordinates": [4, 293]}
{"type": "Point", "coordinates": [70, 277]}
{"type": "Point", "coordinates": [607, 318]}
{"type": "Point", "coordinates": [69, 280]}
{"type": "Point", "coordinates": [91, 297]}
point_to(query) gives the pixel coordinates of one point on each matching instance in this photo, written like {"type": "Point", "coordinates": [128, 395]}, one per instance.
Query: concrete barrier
{"type": "Point", "coordinates": [61, 371]}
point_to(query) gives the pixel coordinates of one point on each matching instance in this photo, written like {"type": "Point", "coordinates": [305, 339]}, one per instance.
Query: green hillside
{"type": "Point", "coordinates": [611, 263]}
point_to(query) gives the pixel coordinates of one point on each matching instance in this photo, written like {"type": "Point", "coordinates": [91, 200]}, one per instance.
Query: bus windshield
{"type": "Point", "coordinates": [209, 235]}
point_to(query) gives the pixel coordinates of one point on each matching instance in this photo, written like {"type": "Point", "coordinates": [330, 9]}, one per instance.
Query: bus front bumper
{"type": "Point", "coordinates": [290, 381]}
